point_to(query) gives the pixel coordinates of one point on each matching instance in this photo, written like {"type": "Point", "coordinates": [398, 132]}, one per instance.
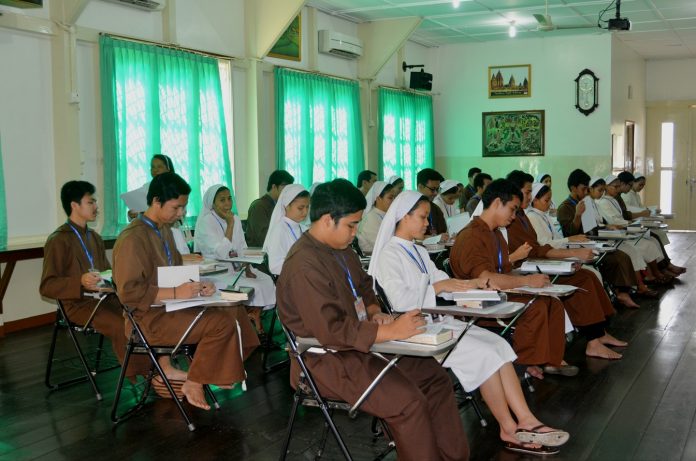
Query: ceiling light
{"type": "Point", "coordinates": [455, 3]}
{"type": "Point", "coordinates": [512, 31]}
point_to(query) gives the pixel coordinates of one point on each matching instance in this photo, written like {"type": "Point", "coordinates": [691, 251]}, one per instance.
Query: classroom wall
{"type": "Point", "coordinates": [460, 82]}
{"type": "Point", "coordinates": [670, 80]}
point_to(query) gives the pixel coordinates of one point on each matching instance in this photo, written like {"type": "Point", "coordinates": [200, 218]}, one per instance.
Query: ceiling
{"type": "Point", "coordinates": [661, 29]}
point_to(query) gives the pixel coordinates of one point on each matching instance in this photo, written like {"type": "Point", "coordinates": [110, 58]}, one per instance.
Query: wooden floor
{"type": "Point", "coordinates": [640, 408]}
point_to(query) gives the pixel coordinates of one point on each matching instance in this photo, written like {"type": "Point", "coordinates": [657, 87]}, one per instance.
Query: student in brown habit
{"type": "Point", "coordinates": [323, 292]}
{"type": "Point", "coordinates": [480, 250]}
{"type": "Point", "coordinates": [428, 183]}
{"type": "Point", "coordinates": [73, 256]}
{"type": "Point", "coordinates": [589, 307]}
{"type": "Point", "coordinates": [146, 244]}
{"type": "Point", "coordinates": [261, 209]}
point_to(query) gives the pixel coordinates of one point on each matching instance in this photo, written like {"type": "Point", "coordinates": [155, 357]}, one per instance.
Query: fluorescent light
{"type": "Point", "coordinates": [455, 3]}
{"type": "Point", "coordinates": [512, 31]}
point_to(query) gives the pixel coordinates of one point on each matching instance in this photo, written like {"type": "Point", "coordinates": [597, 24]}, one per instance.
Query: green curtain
{"type": "Point", "coordinates": [405, 137]}
{"type": "Point", "coordinates": [3, 205]}
{"type": "Point", "coordinates": [159, 100]}
{"type": "Point", "coordinates": [318, 128]}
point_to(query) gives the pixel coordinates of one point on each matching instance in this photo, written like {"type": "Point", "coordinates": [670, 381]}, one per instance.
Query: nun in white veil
{"type": "Point", "coordinates": [545, 179]}
{"type": "Point", "coordinates": [481, 359]}
{"type": "Point", "coordinates": [447, 198]}
{"type": "Point", "coordinates": [285, 227]}
{"type": "Point", "coordinates": [374, 213]}
{"type": "Point", "coordinates": [219, 235]}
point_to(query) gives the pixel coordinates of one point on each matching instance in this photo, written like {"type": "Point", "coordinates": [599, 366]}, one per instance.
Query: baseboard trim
{"type": "Point", "coordinates": [29, 322]}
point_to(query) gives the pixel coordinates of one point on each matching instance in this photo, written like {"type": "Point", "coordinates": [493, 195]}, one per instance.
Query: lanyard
{"type": "Point", "coordinates": [218, 221]}
{"type": "Point", "coordinates": [164, 242]}
{"type": "Point", "coordinates": [419, 262]}
{"type": "Point", "coordinates": [500, 254]}
{"type": "Point", "coordinates": [430, 221]}
{"type": "Point", "coordinates": [292, 231]}
{"type": "Point", "coordinates": [543, 216]}
{"type": "Point", "coordinates": [616, 205]}
{"type": "Point", "coordinates": [574, 202]}
{"type": "Point", "coordinates": [82, 242]}
{"type": "Point", "coordinates": [344, 266]}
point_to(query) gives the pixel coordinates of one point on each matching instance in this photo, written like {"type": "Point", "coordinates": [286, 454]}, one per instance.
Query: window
{"type": "Point", "coordinates": [161, 100]}
{"type": "Point", "coordinates": [318, 129]}
{"type": "Point", "coordinates": [405, 134]}
{"type": "Point", "coordinates": [666, 166]}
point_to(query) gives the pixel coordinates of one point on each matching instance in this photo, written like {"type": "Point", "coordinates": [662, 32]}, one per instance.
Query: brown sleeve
{"type": "Point", "coordinates": [318, 311]}
{"type": "Point", "coordinates": [566, 216]}
{"type": "Point", "coordinates": [471, 256]}
{"type": "Point", "coordinates": [56, 280]}
{"type": "Point", "coordinates": [132, 272]}
{"type": "Point", "coordinates": [103, 262]}
{"type": "Point", "coordinates": [439, 221]}
{"type": "Point", "coordinates": [258, 220]}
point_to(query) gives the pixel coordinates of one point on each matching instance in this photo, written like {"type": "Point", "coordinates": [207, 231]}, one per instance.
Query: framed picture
{"type": "Point", "coordinates": [289, 45]}
{"type": "Point", "coordinates": [515, 133]}
{"type": "Point", "coordinates": [510, 81]}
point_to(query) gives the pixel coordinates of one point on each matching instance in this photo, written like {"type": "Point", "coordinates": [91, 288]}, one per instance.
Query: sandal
{"type": "Point", "coordinates": [554, 438]}
{"type": "Point", "coordinates": [541, 451]}
{"type": "Point", "coordinates": [161, 389]}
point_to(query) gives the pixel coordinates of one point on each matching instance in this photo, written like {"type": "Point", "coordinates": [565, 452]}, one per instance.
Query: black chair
{"type": "Point", "coordinates": [269, 346]}
{"type": "Point", "coordinates": [72, 329]}
{"type": "Point", "coordinates": [307, 394]}
{"type": "Point", "coordinates": [138, 344]}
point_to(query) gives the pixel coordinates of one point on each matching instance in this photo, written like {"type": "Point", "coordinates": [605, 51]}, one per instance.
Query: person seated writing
{"type": "Point", "coordinates": [428, 183]}
{"type": "Point", "coordinates": [147, 244]}
{"type": "Point", "coordinates": [481, 358]}
{"type": "Point", "coordinates": [480, 251]}
{"type": "Point", "coordinates": [324, 293]}
{"type": "Point", "coordinates": [285, 227]}
{"type": "Point", "coordinates": [446, 200]}
{"type": "Point", "coordinates": [74, 255]}
{"type": "Point", "coordinates": [379, 198]}
{"type": "Point", "coordinates": [219, 235]}
{"type": "Point", "coordinates": [261, 209]}
{"type": "Point", "coordinates": [588, 307]}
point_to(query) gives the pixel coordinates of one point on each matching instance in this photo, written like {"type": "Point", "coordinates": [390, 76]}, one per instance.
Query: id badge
{"type": "Point", "coordinates": [360, 308]}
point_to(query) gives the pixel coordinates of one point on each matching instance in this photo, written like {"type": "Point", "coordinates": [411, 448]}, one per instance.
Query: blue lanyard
{"type": "Point", "coordinates": [82, 242]}
{"type": "Point", "coordinates": [219, 222]}
{"type": "Point", "coordinates": [421, 264]}
{"type": "Point", "coordinates": [164, 242]}
{"type": "Point", "coordinates": [616, 205]}
{"type": "Point", "coordinates": [344, 266]}
{"type": "Point", "coordinates": [548, 224]}
{"type": "Point", "coordinates": [292, 231]}
{"type": "Point", "coordinates": [570, 199]}
{"type": "Point", "coordinates": [500, 254]}
{"type": "Point", "coordinates": [430, 219]}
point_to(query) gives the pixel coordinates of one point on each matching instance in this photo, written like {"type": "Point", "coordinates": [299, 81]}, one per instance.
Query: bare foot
{"type": "Point", "coordinates": [535, 372]}
{"type": "Point", "coordinates": [596, 349]}
{"type": "Point", "coordinates": [170, 371]}
{"type": "Point", "coordinates": [625, 299]}
{"type": "Point", "coordinates": [609, 340]}
{"type": "Point", "coordinates": [194, 394]}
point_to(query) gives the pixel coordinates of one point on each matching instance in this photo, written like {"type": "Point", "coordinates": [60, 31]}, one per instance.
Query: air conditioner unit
{"type": "Point", "coordinates": [340, 45]}
{"type": "Point", "coordinates": [147, 5]}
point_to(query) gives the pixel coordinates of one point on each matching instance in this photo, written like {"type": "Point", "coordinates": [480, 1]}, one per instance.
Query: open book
{"type": "Point", "coordinates": [551, 290]}
{"type": "Point", "coordinates": [547, 266]}
{"type": "Point", "coordinates": [457, 222]}
{"type": "Point", "coordinates": [476, 298]}
{"type": "Point", "coordinates": [434, 334]}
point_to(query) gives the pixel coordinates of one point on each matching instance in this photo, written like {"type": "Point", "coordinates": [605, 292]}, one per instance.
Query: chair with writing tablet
{"type": "Point", "coordinates": [307, 393]}
{"type": "Point", "coordinates": [138, 344]}
{"type": "Point", "coordinates": [62, 322]}
{"type": "Point", "coordinates": [269, 345]}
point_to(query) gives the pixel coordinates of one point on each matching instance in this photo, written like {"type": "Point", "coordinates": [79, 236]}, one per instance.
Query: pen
{"type": "Point", "coordinates": [539, 270]}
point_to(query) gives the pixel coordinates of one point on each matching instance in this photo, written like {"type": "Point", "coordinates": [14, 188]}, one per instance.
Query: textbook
{"type": "Point", "coordinates": [551, 290]}
{"type": "Point", "coordinates": [547, 266]}
{"type": "Point", "coordinates": [433, 335]}
{"type": "Point", "coordinates": [476, 299]}
{"type": "Point", "coordinates": [611, 233]}
{"type": "Point", "coordinates": [238, 294]}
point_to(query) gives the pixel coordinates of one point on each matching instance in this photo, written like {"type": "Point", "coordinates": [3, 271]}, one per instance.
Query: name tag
{"type": "Point", "coordinates": [360, 308]}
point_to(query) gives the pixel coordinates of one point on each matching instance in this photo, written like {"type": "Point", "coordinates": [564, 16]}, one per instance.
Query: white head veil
{"type": "Point", "coordinates": [401, 205]}
{"type": "Point", "coordinates": [286, 197]}
{"type": "Point", "coordinates": [594, 180]}
{"type": "Point", "coordinates": [208, 199]}
{"type": "Point", "coordinates": [393, 179]}
{"type": "Point", "coordinates": [540, 176]}
{"type": "Point", "coordinates": [313, 187]}
{"type": "Point", "coordinates": [372, 195]}
{"type": "Point", "coordinates": [536, 187]}
{"type": "Point", "coordinates": [448, 184]}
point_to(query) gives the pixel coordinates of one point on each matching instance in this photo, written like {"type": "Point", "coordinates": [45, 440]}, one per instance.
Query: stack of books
{"type": "Point", "coordinates": [476, 299]}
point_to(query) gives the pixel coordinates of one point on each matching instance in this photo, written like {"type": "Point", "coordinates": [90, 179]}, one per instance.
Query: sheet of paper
{"type": "Point", "coordinates": [136, 200]}
{"type": "Point", "coordinates": [173, 276]}
{"type": "Point", "coordinates": [432, 240]}
{"type": "Point", "coordinates": [178, 304]}
{"type": "Point", "coordinates": [589, 217]}
{"type": "Point", "coordinates": [457, 222]}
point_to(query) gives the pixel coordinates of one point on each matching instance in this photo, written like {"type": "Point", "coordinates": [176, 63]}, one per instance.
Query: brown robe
{"type": "Point", "coordinates": [218, 358]}
{"type": "Point", "coordinates": [587, 306]}
{"type": "Point", "coordinates": [539, 337]}
{"type": "Point", "coordinates": [64, 264]}
{"type": "Point", "coordinates": [468, 192]}
{"type": "Point", "coordinates": [258, 218]}
{"type": "Point", "coordinates": [437, 222]}
{"type": "Point", "coordinates": [616, 267]}
{"type": "Point", "coordinates": [415, 398]}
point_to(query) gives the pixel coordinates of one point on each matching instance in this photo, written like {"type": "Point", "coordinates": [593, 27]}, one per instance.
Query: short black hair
{"type": "Point", "coordinates": [502, 189]}
{"type": "Point", "coordinates": [473, 171]}
{"type": "Point", "coordinates": [578, 177]}
{"type": "Point", "coordinates": [337, 198]}
{"type": "Point", "coordinates": [167, 186]}
{"type": "Point", "coordinates": [73, 191]}
{"type": "Point", "coordinates": [166, 160]}
{"type": "Point", "coordinates": [480, 178]}
{"type": "Point", "coordinates": [365, 175]}
{"type": "Point", "coordinates": [543, 191]}
{"type": "Point", "coordinates": [279, 178]}
{"type": "Point", "coordinates": [428, 174]}
{"type": "Point", "coordinates": [519, 178]}
{"type": "Point", "coordinates": [626, 177]}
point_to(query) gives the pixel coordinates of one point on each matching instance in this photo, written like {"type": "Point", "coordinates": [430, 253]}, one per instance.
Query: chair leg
{"type": "Point", "coordinates": [153, 358]}
{"type": "Point", "coordinates": [470, 397]}
{"type": "Point", "coordinates": [51, 351]}
{"type": "Point", "coordinates": [269, 345]}
{"type": "Point", "coordinates": [291, 422]}
{"type": "Point", "coordinates": [329, 421]}
{"type": "Point", "coordinates": [527, 378]}
{"type": "Point", "coordinates": [115, 417]}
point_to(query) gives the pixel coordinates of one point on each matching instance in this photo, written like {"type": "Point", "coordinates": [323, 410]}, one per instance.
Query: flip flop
{"type": "Point", "coordinates": [541, 451]}
{"type": "Point", "coordinates": [161, 389]}
{"type": "Point", "coordinates": [548, 439]}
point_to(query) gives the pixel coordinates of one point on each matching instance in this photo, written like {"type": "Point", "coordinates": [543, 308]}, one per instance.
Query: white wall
{"type": "Point", "coordinates": [460, 79]}
{"type": "Point", "coordinates": [628, 97]}
{"type": "Point", "coordinates": [670, 80]}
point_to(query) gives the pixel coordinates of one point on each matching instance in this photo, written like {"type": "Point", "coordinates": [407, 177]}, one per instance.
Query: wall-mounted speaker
{"type": "Point", "coordinates": [421, 81]}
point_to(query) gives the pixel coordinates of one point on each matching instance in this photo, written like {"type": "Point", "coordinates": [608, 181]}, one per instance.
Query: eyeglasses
{"type": "Point", "coordinates": [434, 189]}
